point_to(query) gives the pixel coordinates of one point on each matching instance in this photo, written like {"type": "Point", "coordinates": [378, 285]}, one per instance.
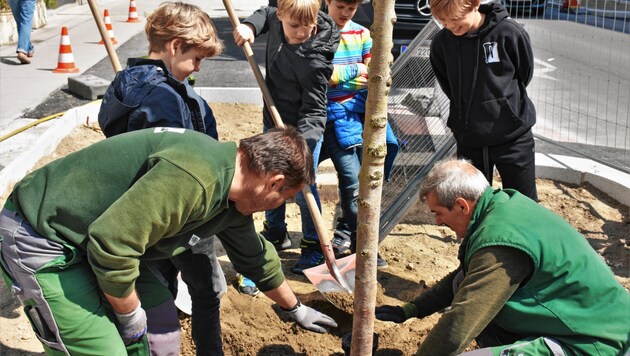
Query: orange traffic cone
{"type": "Point", "coordinates": [65, 64]}
{"type": "Point", "coordinates": [108, 26]}
{"type": "Point", "coordinates": [133, 13]}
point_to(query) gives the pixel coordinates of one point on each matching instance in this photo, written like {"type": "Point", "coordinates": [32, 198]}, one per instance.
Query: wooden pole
{"type": "Point", "coordinates": [113, 57]}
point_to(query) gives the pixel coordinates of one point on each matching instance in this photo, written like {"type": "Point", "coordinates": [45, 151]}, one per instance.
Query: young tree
{"type": "Point", "coordinates": [371, 176]}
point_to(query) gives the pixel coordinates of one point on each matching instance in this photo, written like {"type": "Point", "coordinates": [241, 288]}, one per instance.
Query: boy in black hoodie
{"type": "Point", "coordinates": [300, 47]}
{"type": "Point", "coordinates": [483, 61]}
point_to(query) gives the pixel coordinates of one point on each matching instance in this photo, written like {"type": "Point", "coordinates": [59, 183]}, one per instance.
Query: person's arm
{"type": "Point", "coordinates": [439, 67]}
{"type": "Point", "coordinates": [523, 59]}
{"type": "Point", "coordinates": [430, 301]}
{"type": "Point", "coordinates": [494, 274]}
{"type": "Point", "coordinates": [312, 113]}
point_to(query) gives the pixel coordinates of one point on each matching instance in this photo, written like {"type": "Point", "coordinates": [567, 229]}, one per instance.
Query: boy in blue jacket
{"type": "Point", "coordinates": [155, 92]}
{"type": "Point", "coordinates": [301, 44]}
{"type": "Point", "coordinates": [483, 61]}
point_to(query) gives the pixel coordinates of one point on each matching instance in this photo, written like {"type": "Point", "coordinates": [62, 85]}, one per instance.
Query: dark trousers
{"type": "Point", "coordinates": [514, 160]}
{"type": "Point", "coordinates": [200, 271]}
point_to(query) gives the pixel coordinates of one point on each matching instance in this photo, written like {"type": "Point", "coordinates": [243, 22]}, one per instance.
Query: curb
{"type": "Point", "coordinates": [566, 169]}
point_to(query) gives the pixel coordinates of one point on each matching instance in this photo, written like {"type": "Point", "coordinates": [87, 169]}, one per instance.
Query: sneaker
{"type": "Point", "coordinates": [308, 259]}
{"type": "Point", "coordinates": [342, 239]}
{"type": "Point", "coordinates": [278, 237]}
{"type": "Point", "coordinates": [380, 262]}
{"type": "Point", "coordinates": [246, 286]}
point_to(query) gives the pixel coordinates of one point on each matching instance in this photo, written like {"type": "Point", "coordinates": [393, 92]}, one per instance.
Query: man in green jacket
{"type": "Point", "coordinates": [528, 283]}
{"type": "Point", "coordinates": [79, 236]}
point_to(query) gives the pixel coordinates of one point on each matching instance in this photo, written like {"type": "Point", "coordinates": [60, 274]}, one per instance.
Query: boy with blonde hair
{"type": "Point", "coordinates": [483, 61]}
{"type": "Point", "coordinates": [301, 44]}
{"type": "Point", "coordinates": [152, 92]}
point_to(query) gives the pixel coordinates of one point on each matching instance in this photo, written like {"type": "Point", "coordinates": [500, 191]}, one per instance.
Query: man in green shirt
{"type": "Point", "coordinates": [79, 235]}
{"type": "Point", "coordinates": [528, 283]}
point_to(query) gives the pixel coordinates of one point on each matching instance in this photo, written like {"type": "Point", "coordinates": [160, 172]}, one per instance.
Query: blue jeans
{"type": "Point", "coordinates": [276, 217]}
{"type": "Point", "coordinates": [23, 14]}
{"type": "Point", "coordinates": [348, 164]}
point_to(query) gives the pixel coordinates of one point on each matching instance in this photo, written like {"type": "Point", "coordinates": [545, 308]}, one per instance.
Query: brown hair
{"type": "Point", "coordinates": [187, 22]}
{"type": "Point", "coordinates": [304, 11]}
{"type": "Point", "coordinates": [449, 9]}
{"type": "Point", "coordinates": [280, 151]}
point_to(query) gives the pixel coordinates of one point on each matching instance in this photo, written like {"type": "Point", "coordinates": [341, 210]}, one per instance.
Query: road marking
{"type": "Point", "coordinates": [542, 72]}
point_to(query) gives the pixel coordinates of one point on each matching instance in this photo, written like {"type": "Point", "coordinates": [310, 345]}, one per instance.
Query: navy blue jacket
{"type": "Point", "coordinates": [146, 94]}
{"type": "Point", "coordinates": [484, 74]}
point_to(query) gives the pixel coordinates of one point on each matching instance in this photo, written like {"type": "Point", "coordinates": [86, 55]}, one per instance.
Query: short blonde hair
{"type": "Point", "coordinates": [304, 11]}
{"type": "Point", "coordinates": [172, 20]}
{"type": "Point", "coordinates": [449, 9]}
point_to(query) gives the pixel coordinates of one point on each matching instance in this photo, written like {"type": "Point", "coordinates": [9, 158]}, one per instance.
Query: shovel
{"type": "Point", "coordinates": [324, 240]}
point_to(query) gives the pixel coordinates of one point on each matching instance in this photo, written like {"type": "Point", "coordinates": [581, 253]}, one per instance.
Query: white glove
{"type": "Point", "coordinates": [309, 318]}
{"type": "Point", "coordinates": [132, 326]}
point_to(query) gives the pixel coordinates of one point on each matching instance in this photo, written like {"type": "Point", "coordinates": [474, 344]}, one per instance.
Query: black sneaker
{"type": "Point", "coordinates": [308, 258]}
{"type": "Point", "coordinates": [342, 238]}
{"type": "Point", "coordinates": [278, 237]}
{"type": "Point", "coordinates": [380, 262]}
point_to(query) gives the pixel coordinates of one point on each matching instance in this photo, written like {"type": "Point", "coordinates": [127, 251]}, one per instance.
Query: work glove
{"type": "Point", "coordinates": [309, 318]}
{"type": "Point", "coordinates": [132, 326]}
{"type": "Point", "coordinates": [396, 313]}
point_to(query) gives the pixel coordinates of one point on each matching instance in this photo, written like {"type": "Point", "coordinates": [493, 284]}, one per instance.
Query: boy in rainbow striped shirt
{"type": "Point", "coordinates": [347, 92]}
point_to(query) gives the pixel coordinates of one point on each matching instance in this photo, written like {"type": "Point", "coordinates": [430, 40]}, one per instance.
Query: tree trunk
{"type": "Point", "coordinates": [371, 176]}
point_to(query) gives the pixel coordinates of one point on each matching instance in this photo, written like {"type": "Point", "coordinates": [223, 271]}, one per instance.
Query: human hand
{"type": "Point", "coordinates": [243, 33]}
{"type": "Point", "coordinates": [132, 326]}
{"type": "Point", "coordinates": [396, 313]}
{"type": "Point", "coordinates": [310, 319]}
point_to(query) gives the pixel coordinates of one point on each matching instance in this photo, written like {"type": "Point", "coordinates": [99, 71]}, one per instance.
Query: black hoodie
{"type": "Point", "coordinates": [297, 75]}
{"type": "Point", "coordinates": [484, 74]}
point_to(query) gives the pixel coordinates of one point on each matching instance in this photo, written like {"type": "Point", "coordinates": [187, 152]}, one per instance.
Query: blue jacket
{"type": "Point", "coordinates": [348, 126]}
{"type": "Point", "coordinates": [146, 94]}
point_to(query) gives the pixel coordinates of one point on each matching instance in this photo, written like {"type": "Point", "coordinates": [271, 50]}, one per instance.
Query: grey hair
{"type": "Point", "coordinates": [451, 179]}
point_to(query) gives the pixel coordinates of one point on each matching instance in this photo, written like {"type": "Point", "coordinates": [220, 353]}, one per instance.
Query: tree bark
{"type": "Point", "coordinates": [371, 176]}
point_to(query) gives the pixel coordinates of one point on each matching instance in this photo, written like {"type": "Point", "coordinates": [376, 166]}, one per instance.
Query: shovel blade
{"type": "Point", "coordinates": [322, 279]}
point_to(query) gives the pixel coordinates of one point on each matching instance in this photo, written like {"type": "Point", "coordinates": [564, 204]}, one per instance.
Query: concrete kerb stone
{"type": "Point", "coordinates": [88, 86]}
{"type": "Point", "coordinates": [45, 144]}
{"type": "Point", "coordinates": [557, 167]}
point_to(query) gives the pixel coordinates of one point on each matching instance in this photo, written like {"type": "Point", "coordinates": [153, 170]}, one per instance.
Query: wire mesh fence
{"type": "Point", "coordinates": [416, 113]}
{"type": "Point", "coordinates": [581, 91]}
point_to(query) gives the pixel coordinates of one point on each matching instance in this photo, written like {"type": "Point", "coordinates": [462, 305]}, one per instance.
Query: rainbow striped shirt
{"type": "Point", "coordinates": [350, 72]}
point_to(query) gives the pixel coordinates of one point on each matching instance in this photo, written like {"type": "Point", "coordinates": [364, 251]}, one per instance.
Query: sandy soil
{"type": "Point", "coordinates": [418, 253]}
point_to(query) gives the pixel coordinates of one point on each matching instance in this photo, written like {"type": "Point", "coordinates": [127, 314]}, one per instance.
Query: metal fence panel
{"type": "Point", "coordinates": [581, 91]}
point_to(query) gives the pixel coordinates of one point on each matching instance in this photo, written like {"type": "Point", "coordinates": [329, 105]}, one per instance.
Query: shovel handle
{"type": "Point", "coordinates": [316, 215]}
{"type": "Point", "coordinates": [249, 54]}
